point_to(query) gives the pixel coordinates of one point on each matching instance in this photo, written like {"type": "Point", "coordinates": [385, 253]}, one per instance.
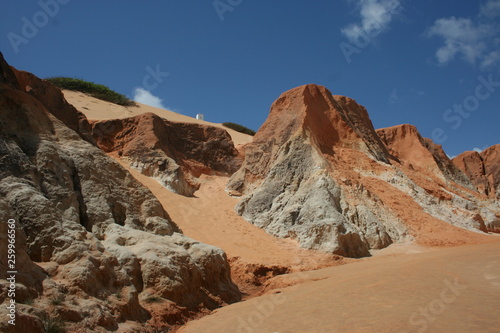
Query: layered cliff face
{"type": "Point", "coordinates": [173, 153]}
{"type": "Point", "coordinates": [287, 175]}
{"type": "Point", "coordinates": [318, 172]}
{"type": "Point", "coordinates": [421, 154]}
{"type": "Point", "coordinates": [93, 246]}
{"type": "Point", "coordinates": [483, 169]}
{"type": "Point", "coordinates": [440, 187]}
{"type": "Point", "coordinates": [53, 100]}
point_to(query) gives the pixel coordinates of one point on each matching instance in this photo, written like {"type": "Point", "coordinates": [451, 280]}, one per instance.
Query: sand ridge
{"type": "Point", "coordinates": [96, 109]}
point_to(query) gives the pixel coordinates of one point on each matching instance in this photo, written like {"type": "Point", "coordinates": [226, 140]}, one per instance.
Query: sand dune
{"type": "Point", "coordinates": [446, 290]}
{"type": "Point", "coordinates": [96, 109]}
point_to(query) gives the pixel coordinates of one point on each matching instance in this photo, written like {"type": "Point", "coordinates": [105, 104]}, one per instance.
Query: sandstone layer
{"type": "Point", "coordinates": [174, 153]}
{"type": "Point", "coordinates": [483, 169]}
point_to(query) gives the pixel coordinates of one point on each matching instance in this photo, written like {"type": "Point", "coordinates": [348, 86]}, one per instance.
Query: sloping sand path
{"type": "Point", "coordinates": [446, 290]}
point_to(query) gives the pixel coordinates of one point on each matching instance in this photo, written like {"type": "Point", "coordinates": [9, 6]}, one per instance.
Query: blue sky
{"type": "Point", "coordinates": [433, 64]}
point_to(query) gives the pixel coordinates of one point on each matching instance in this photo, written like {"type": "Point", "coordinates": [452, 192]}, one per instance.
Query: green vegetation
{"type": "Point", "coordinates": [239, 128]}
{"type": "Point", "coordinates": [153, 299]}
{"type": "Point", "coordinates": [53, 325]}
{"type": "Point", "coordinates": [118, 294]}
{"type": "Point", "coordinates": [96, 90]}
{"type": "Point", "coordinates": [57, 300]}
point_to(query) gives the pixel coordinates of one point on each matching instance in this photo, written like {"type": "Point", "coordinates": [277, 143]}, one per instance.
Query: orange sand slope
{"type": "Point", "coordinates": [209, 217]}
{"type": "Point", "coordinates": [97, 109]}
{"type": "Point", "coordinates": [448, 290]}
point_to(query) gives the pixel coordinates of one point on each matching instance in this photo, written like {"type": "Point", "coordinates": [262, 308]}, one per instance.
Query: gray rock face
{"type": "Point", "coordinates": [87, 230]}
{"type": "Point", "coordinates": [299, 199]}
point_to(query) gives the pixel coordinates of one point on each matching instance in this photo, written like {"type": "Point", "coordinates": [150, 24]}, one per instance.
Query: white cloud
{"type": "Point", "coordinates": [479, 150]}
{"type": "Point", "coordinates": [393, 97]}
{"type": "Point", "coordinates": [473, 40]}
{"type": "Point", "coordinates": [491, 59]}
{"type": "Point", "coordinates": [461, 37]}
{"type": "Point", "coordinates": [376, 15]}
{"type": "Point", "coordinates": [490, 9]}
{"type": "Point", "coordinates": [146, 97]}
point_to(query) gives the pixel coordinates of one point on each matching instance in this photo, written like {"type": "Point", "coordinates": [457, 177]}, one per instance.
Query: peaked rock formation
{"type": "Point", "coordinates": [311, 112]}
{"type": "Point", "coordinates": [318, 172]}
{"type": "Point", "coordinates": [173, 153]}
{"type": "Point", "coordinates": [287, 179]}
{"type": "Point", "coordinates": [483, 169]}
{"type": "Point", "coordinates": [92, 244]}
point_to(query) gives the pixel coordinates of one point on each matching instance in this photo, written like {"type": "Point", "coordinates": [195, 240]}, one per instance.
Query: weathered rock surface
{"type": "Point", "coordinates": [311, 112]}
{"type": "Point", "coordinates": [53, 100]}
{"type": "Point", "coordinates": [294, 153]}
{"type": "Point", "coordinates": [483, 169]}
{"type": "Point", "coordinates": [318, 172]}
{"type": "Point", "coordinates": [173, 153]}
{"type": "Point", "coordinates": [411, 149]}
{"type": "Point", "coordinates": [91, 241]}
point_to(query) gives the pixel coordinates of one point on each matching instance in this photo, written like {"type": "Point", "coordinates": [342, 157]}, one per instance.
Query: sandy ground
{"type": "Point", "coordinates": [96, 109]}
{"type": "Point", "coordinates": [446, 290]}
{"type": "Point", "coordinates": [209, 217]}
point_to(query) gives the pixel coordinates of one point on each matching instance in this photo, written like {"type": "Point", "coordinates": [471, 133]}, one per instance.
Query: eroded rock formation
{"type": "Point", "coordinates": [173, 153]}
{"type": "Point", "coordinates": [94, 247]}
{"type": "Point", "coordinates": [318, 172]}
{"type": "Point", "coordinates": [483, 169]}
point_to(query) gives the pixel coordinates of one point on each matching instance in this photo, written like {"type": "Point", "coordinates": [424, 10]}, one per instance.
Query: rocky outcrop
{"type": "Point", "coordinates": [53, 100]}
{"type": "Point", "coordinates": [406, 144]}
{"type": "Point", "coordinates": [173, 153]}
{"type": "Point", "coordinates": [483, 169]}
{"type": "Point", "coordinates": [295, 153]}
{"type": "Point", "coordinates": [318, 172]}
{"type": "Point", "coordinates": [491, 159]}
{"type": "Point", "coordinates": [314, 114]}
{"type": "Point", "coordinates": [93, 245]}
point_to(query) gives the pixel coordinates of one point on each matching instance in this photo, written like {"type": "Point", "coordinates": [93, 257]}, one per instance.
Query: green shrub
{"type": "Point", "coordinates": [153, 299]}
{"type": "Point", "coordinates": [96, 90]}
{"type": "Point", "coordinates": [118, 294]}
{"type": "Point", "coordinates": [57, 300]}
{"type": "Point", "coordinates": [239, 128]}
{"type": "Point", "coordinates": [53, 325]}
